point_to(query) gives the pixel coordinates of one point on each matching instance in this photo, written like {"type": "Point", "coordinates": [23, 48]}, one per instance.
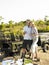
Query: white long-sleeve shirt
{"type": "Point", "coordinates": [35, 33]}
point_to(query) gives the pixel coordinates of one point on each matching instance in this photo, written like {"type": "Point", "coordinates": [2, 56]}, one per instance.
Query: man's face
{"type": "Point", "coordinates": [28, 23]}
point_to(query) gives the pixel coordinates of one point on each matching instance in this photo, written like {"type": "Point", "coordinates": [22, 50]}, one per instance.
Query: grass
{"type": "Point", "coordinates": [27, 61]}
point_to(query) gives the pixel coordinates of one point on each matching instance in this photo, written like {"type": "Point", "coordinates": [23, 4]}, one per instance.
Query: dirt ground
{"type": "Point", "coordinates": [44, 58]}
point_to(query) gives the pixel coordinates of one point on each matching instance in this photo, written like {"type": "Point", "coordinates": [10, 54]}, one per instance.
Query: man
{"type": "Point", "coordinates": [27, 42]}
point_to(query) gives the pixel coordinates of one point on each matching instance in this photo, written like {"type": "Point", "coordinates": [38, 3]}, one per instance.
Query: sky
{"type": "Point", "coordinates": [18, 10]}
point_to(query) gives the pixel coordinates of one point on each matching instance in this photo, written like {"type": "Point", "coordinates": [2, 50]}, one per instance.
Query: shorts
{"type": "Point", "coordinates": [27, 44]}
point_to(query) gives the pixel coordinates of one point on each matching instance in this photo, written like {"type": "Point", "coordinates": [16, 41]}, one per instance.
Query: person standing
{"type": "Point", "coordinates": [35, 40]}
{"type": "Point", "coordinates": [27, 41]}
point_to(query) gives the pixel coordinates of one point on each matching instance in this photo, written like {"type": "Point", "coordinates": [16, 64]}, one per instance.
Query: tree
{"type": "Point", "coordinates": [46, 18]}
{"type": "Point", "coordinates": [47, 28]}
{"type": "Point", "coordinates": [11, 23]}
{"type": "Point", "coordinates": [2, 26]}
{"type": "Point", "coordinates": [47, 22]}
{"type": "Point", "coordinates": [1, 18]}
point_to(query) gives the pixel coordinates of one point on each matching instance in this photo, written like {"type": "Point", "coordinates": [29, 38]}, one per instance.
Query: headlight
{"type": "Point", "coordinates": [0, 54]}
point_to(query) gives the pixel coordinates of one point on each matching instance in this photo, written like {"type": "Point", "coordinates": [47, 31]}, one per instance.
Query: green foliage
{"type": "Point", "coordinates": [47, 28]}
{"type": "Point", "coordinates": [2, 26]}
{"type": "Point", "coordinates": [17, 28]}
{"type": "Point", "coordinates": [47, 22]}
{"type": "Point", "coordinates": [1, 18]}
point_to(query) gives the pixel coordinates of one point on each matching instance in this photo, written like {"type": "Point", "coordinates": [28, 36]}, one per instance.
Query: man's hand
{"type": "Point", "coordinates": [24, 32]}
{"type": "Point", "coordinates": [34, 34]}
